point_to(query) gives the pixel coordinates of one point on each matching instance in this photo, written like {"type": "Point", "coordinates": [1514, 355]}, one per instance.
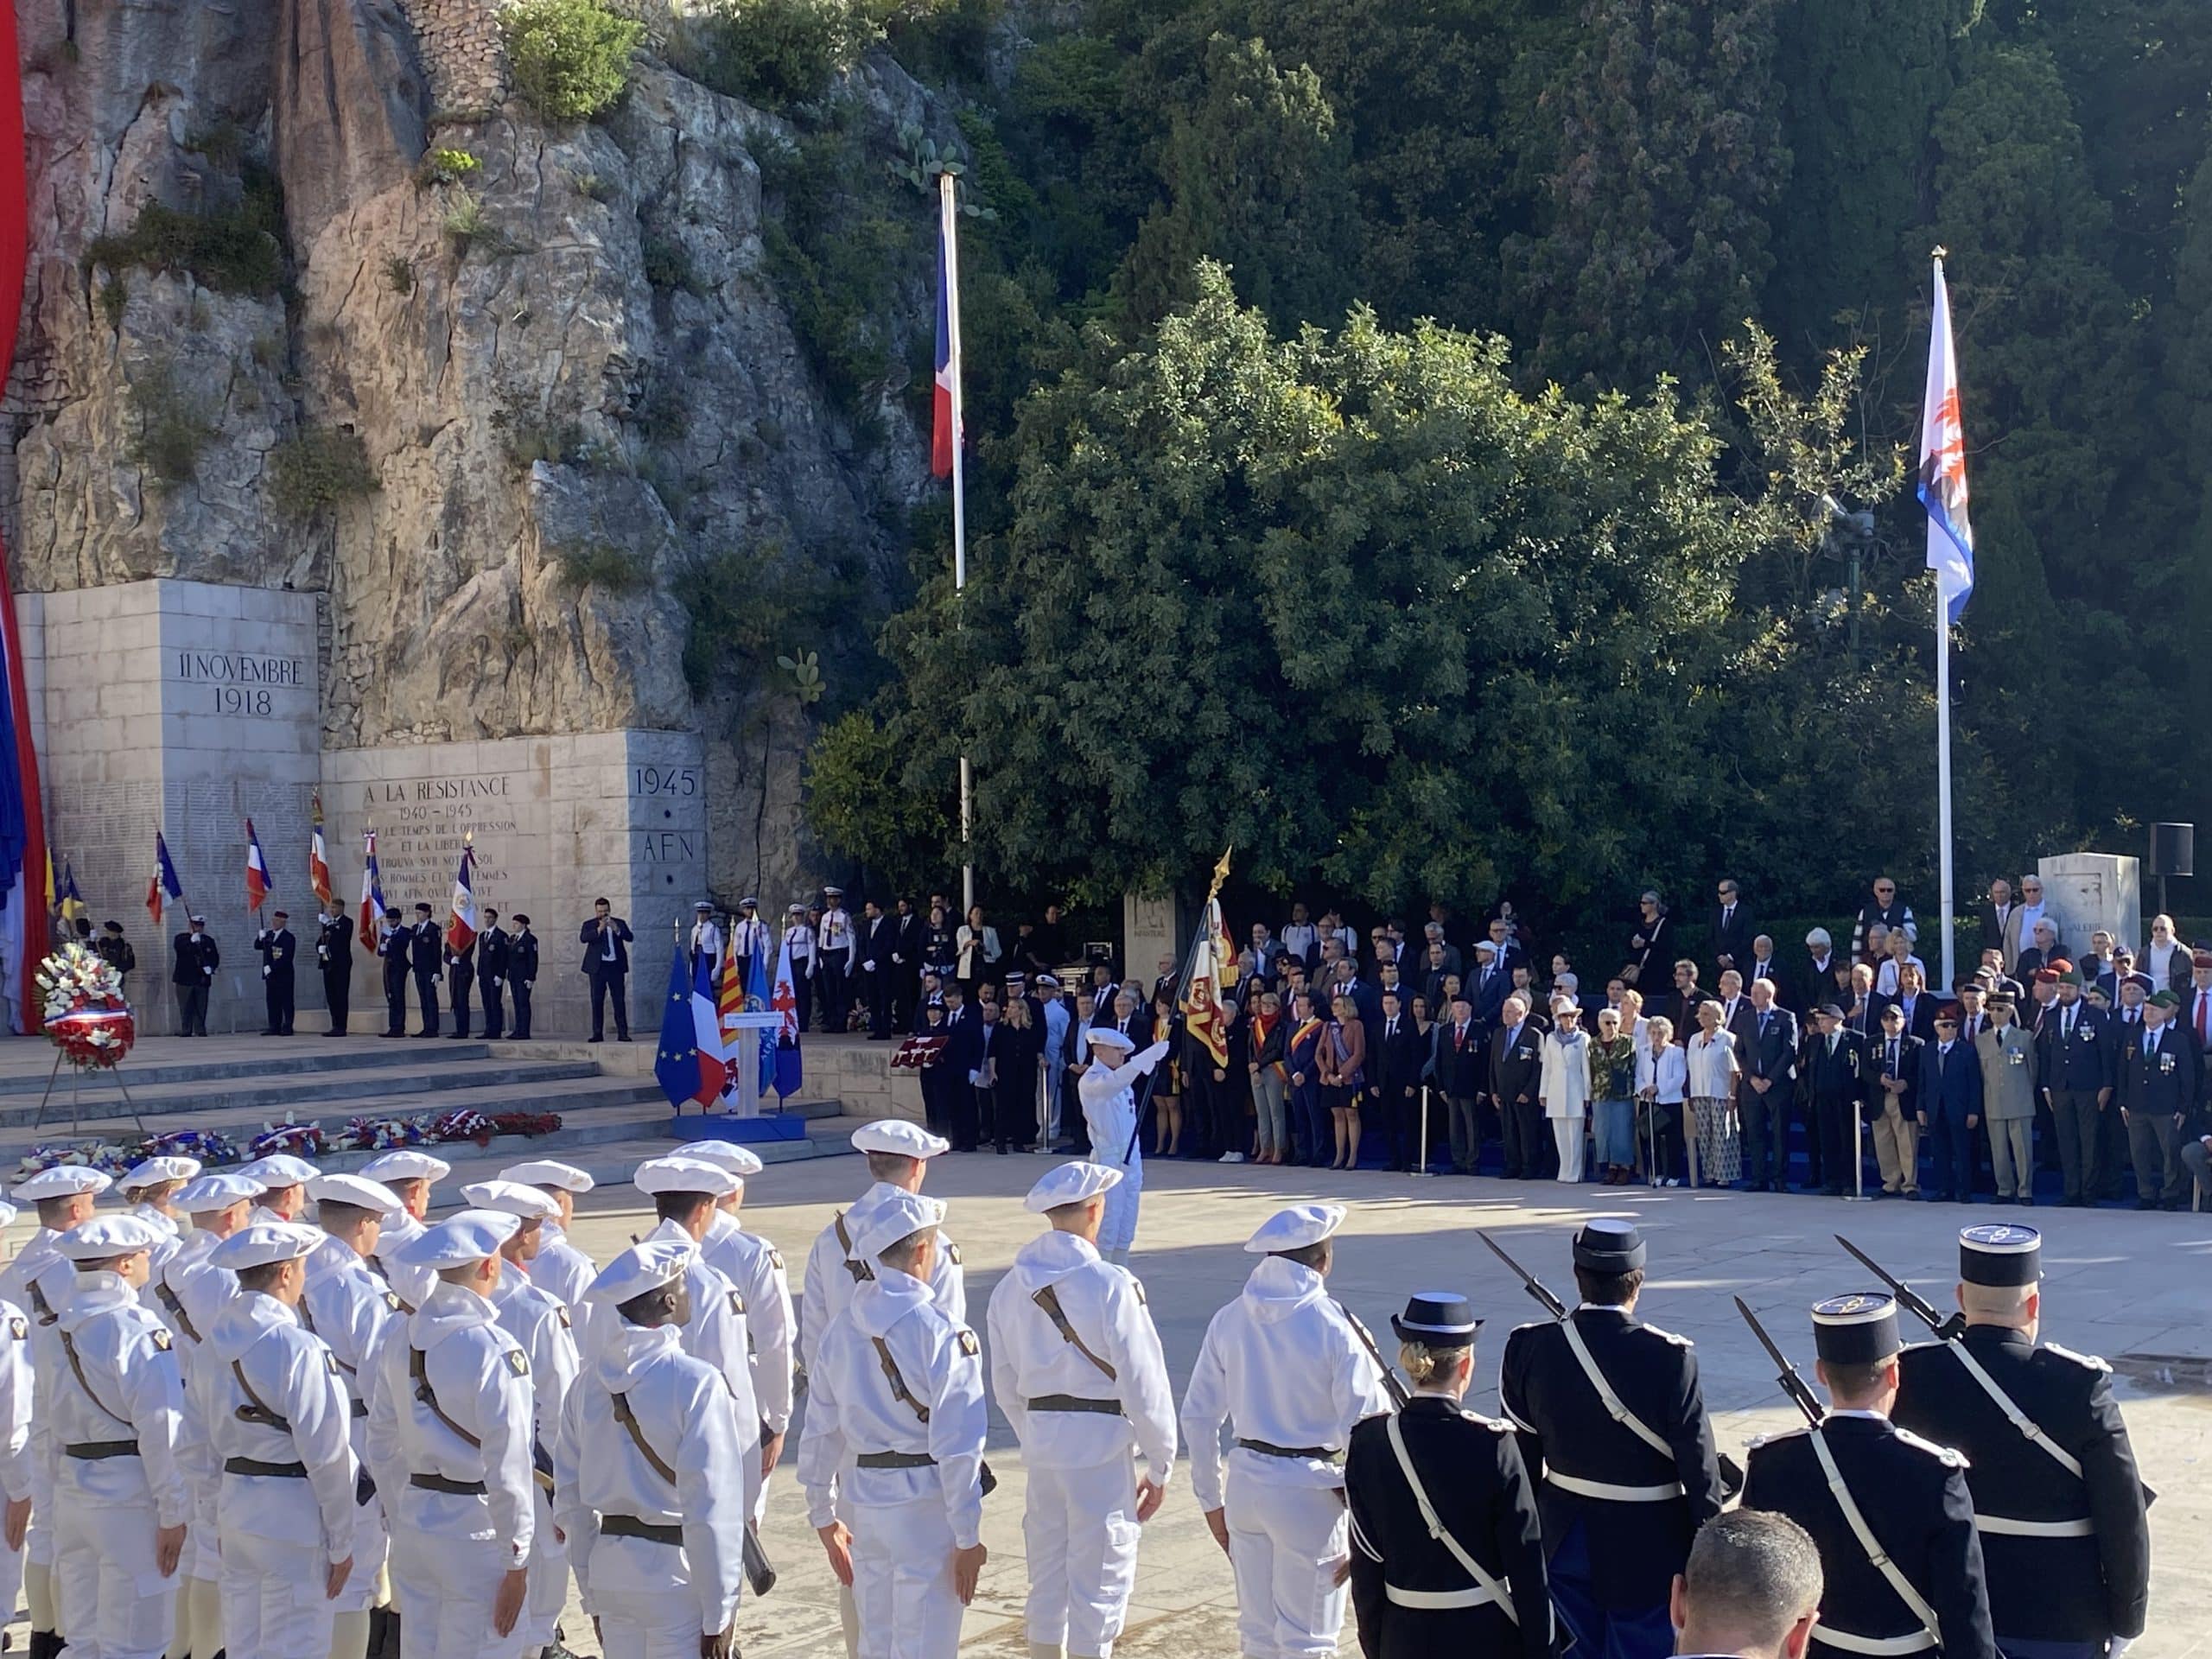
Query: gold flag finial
{"type": "Point", "coordinates": [1940, 252]}
{"type": "Point", "coordinates": [1220, 874]}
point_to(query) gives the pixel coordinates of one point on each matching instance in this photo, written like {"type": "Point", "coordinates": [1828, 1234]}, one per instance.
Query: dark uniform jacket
{"type": "Point", "coordinates": [1516, 1066]}
{"type": "Point", "coordinates": [1913, 1495]}
{"type": "Point", "coordinates": [2161, 1082]}
{"type": "Point", "coordinates": [1838, 1075]}
{"type": "Point", "coordinates": [2041, 1589]}
{"type": "Point", "coordinates": [425, 948]}
{"type": "Point", "coordinates": [491, 953]}
{"type": "Point", "coordinates": [334, 946]}
{"type": "Point", "coordinates": [522, 958]}
{"type": "Point", "coordinates": [195, 960]}
{"type": "Point", "coordinates": [1565, 1429]}
{"type": "Point", "coordinates": [1472, 1469]}
{"type": "Point", "coordinates": [2088, 1063]}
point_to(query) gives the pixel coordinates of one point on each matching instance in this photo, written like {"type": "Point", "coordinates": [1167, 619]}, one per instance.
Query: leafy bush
{"type": "Point", "coordinates": [113, 297]}
{"type": "Point", "coordinates": [668, 265]}
{"type": "Point", "coordinates": [601, 565]}
{"type": "Point", "coordinates": [318, 469]}
{"type": "Point", "coordinates": [468, 227]}
{"type": "Point", "coordinates": [171, 433]}
{"type": "Point", "coordinates": [774, 53]}
{"type": "Point", "coordinates": [570, 58]}
{"type": "Point", "coordinates": [399, 273]}
{"type": "Point", "coordinates": [443, 166]}
{"type": "Point", "coordinates": [234, 249]}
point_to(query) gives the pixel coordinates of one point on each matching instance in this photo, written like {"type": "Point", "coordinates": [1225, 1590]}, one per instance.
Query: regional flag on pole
{"type": "Point", "coordinates": [258, 887]}
{"type": "Point", "coordinates": [319, 861]}
{"type": "Point", "coordinates": [163, 882]}
{"type": "Point", "coordinates": [68, 900]}
{"type": "Point", "coordinates": [789, 1070]}
{"type": "Point", "coordinates": [371, 891]}
{"type": "Point", "coordinates": [756, 1001]}
{"type": "Point", "coordinates": [945, 431]}
{"type": "Point", "coordinates": [1943, 486]}
{"type": "Point", "coordinates": [461, 929]}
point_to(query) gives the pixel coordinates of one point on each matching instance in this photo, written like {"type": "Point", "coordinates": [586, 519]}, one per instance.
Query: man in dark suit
{"type": "Point", "coordinates": [606, 939]}
{"type": "Point", "coordinates": [1815, 973]}
{"type": "Point", "coordinates": [1506, 947]}
{"type": "Point", "coordinates": [1394, 1060]}
{"type": "Point", "coordinates": [1463, 1073]}
{"type": "Point", "coordinates": [2079, 1064]}
{"type": "Point", "coordinates": [2000, 922]}
{"type": "Point", "coordinates": [1680, 1005]}
{"type": "Point", "coordinates": [1862, 1013]}
{"type": "Point", "coordinates": [395, 946]}
{"type": "Point", "coordinates": [1894, 1069]}
{"type": "Point", "coordinates": [334, 954]}
{"type": "Point", "coordinates": [491, 974]}
{"type": "Point", "coordinates": [1732, 928]}
{"type": "Point", "coordinates": [1487, 983]}
{"type": "Point", "coordinates": [1835, 1074]}
{"type": "Point", "coordinates": [1949, 1107]}
{"type": "Point", "coordinates": [1763, 963]}
{"type": "Point", "coordinates": [521, 972]}
{"type": "Point", "coordinates": [425, 950]}
{"type": "Point", "coordinates": [904, 962]}
{"type": "Point", "coordinates": [461, 974]}
{"type": "Point", "coordinates": [194, 961]}
{"type": "Point", "coordinates": [874, 954]}
{"type": "Point", "coordinates": [2158, 1097]}
{"type": "Point", "coordinates": [964, 1055]}
{"type": "Point", "coordinates": [1515, 1063]}
{"type": "Point", "coordinates": [279, 946]}
{"type": "Point", "coordinates": [1768, 1051]}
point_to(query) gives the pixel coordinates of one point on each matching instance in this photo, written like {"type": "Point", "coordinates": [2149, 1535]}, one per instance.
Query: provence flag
{"type": "Point", "coordinates": [677, 1065]}
{"type": "Point", "coordinates": [1943, 486]}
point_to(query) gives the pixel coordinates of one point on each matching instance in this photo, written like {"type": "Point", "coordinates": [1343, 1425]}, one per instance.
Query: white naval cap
{"type": "Point", "coordinates": [109, 1236]}
{"type": "Point", "coordinates": [896, 1217]}
{"type": "Point", "coordinates": [7, 1214]}
{"type": "Point", "coordinates": [510, 1198]}
{"type": "Point", "coordinates": [62, 1181]}
{"type": "Point", "coordinates": [647, 1265]}
{"type": "Point", "coordinates": [263, 1242]}
{"type": "Point", "coordinates": [898, 1136]}
{"type": "Point", "coordinates": [549, 1171]}
{"type": "Point", "coordinates": [658, 1175]}
{"type": "Point", "coordinates": [739, 1161]}
{"type": "Point", "coordinates": [1111, 1036]}
{"type": "Point", "coordinates": [459, 1240]}
{"type": "Point", "coordinates": [1295, 1227]}
{"type": "Point", "coordinates": [154, 1171]}
{"type": "Point", "coordinates": [357, 1190]}
{"type": "Point", "coordinates": [1069, 1184]}
{"type": "Point", "coordinates": [279, 1170]}
{"type": "Point", "coordinates": [405, 1164]}
{"type": "Point", "coordinates": [216, 1191]}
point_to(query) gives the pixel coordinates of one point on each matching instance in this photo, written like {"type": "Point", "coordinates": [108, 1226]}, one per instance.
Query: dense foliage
{"type": "Point", "coordinates": [570, 58]}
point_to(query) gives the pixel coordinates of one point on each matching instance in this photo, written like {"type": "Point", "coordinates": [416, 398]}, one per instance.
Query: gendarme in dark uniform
{"type": "Point", "coordinates": [1909, 1495]}
{"type": "Point", "coordinates": [2064, 1538]}
{"type": "Point", "coordinates": [1412, 1594]}
{"type": "Point", "coordinates": [1622, 1495]}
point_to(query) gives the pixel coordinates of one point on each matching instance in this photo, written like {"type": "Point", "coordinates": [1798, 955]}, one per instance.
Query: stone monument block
{"type": "Point", "coordinates": [1149, 932]}
{"type": "Point", "coordinates": [2088, 891]}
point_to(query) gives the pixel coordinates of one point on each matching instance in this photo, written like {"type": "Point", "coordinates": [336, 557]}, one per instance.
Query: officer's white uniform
{"type": "Point", "coordinates": [1110, 1112]}
{"type": "Point", "coordinates": [832, 1271]}
{"type": "Point", "coordinates": [1284, 1362]}
{"type": "Point", "coordinates": [1078, 1412]}
{"type": "Point", "coordinates": [351, 1308]}
{"type": "Point", "coordinates": [755, 1267]}
{"type": "Point", "coordinates": [904, 1474]}
{"type": "Point", "coordinates": [118, 1409]}
{"type": "Point", "coordinates": [280, 1423]}
{"type": "Point", "coordinates": [706, 938]}
{"type": "Point", "coordinates": [465, 1513]}
{"type": "Point", "coordinates": [671, 1566]}
{"type": "Point", "coordinates": [15, 1386]}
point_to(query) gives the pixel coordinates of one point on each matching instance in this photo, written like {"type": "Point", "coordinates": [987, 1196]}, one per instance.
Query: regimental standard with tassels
{"type": "Point", "coordinates": [1209, 969]}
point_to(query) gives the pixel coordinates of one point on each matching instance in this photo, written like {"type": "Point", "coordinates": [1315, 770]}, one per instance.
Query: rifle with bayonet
{"type": "Point", "coordinates": [1908, 1298]}
{"type": "Point", "coordinates": [1792, 1384]}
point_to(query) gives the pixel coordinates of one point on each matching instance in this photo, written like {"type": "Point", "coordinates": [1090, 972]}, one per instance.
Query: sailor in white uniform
{"type": "Point", "coordinates": [1110, 1112]}
{"type": "Point", "coordinates": [892, 1455]}
{"type": "Point", "coordinates": [756, 1268]}
{"type": "Point", "coordinates": [286, 1179]}
{"type": "Point", "coordinates": [149, 1188]}
{"type": "Point", "coordinates": [560, 1267]}
{"type": "Point", "coordinates": [15, 1386]}
{"type": "Point", "coordinates": [1294, 1371]}
{"type": "Point", "coordinates": [410, 1174]}
{"type": "Point", "coordinates": [282, 1424]}
{"type": "Point", "coordinates": [897, 1154]}
{"type": "Point", "coordinates": [1076, 1369]}
{"type": "Point", "coordinates": [648, 1472]}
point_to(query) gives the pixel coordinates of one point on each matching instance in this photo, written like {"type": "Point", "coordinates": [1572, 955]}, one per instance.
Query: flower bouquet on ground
{"type": "Point", "coordinates": [299, 1140]}
{"type": "Point", "coordinates": [85, 1016]}
{"type": "Point", "coordinates": [462, 1123]}
{"type": "Point", "coordinates": [529, 1123]}
{"type": "Point", "coordinates": [380, 1133]}
{"type": "Point", "coordinates": [103, 1155]}
{"type": "Point", "coordinates": [209, 1147]}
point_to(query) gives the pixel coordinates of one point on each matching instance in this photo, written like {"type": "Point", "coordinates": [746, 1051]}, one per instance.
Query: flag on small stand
{"type": "Point", "coordinates": [319, 863]}
{"type": "Point", "coordinates": [460, 928]}
{"type": "Point", "coordinates": [706, 1033]}
{"type": "Point", "coordinates": [371, 891]}
{"type": "Point", "coordinates": [258, 887]}
{"type": "Point", "coordinates": [163, 882]}
{"type": "Point", "coordinates": [67, 900]}
{"type": "Point", "coordinates": [677, 1065]}
{"type": "Point", "coordinates": [789, 1070]}
{"type": "Point", "coordinates": [756, 1001]}
{"type": "Point", "coordinates": [729, 1002]}
{"type": "Point", "coordinates": [1942, 486]}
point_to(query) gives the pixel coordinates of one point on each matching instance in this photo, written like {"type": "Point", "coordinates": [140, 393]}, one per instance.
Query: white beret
{"type": "Point", "coordinates": [106, 1235]}
{"type": "Point", "coordinates": [894, 1218]}
{"type": "Point", "coordinates": [279, 1170]}
{"type": "Point", "coordinates": [155, 1170]}
{"type": "Point", "coordinates": [897, 1136]}
{"type": "Point", "coordinates": [62, 1181]}
{"type": "Point", "coordinates": [549, 1171]}
{"type": "Point", "coordinates": [357, 1190]}
{"type": "Point", "coordinates": [739, 1160]}
{"type": "Point", "coordinates": [1069, 1184]}
{"type": "Point", "coordinates": [511, 1199]}
{"type": "Point", "coordinates": [658, 1175]}
{"type": "Point", "coordinates": [460, 1241]}
{"type": "Point", "coordinates": [8, 1213]}
{"type": "Point", "coordinates": [406, 1165]}
{"type": "Point", "coordinates": [263, 1242]}
{"type": "Point", "coordinates": [218, 1191]}
{"type": "Point", "coordinates": [1109, 1035]}
{"type": "Point", "coordinates": [647, 1265]}
{"type": "Point", "coordinates": [1295, 1227]}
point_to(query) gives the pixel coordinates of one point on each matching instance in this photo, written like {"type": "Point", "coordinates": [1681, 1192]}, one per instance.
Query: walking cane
{"type": "Point", "coordinates": [1689, 1139]}
{"type": "Point", "coordinates": [1421, 1167]}
{"type": "Point", "coordinates": [1857, 1193]}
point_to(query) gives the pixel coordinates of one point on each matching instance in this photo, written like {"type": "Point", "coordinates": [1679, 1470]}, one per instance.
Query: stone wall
{"type": "Point", "coordinates": [462, 51]}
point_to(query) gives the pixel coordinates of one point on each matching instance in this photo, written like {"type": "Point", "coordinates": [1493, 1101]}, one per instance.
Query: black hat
{"type": "Point", "coordinates": [1609, 1245]}
{"type": "Point", "coordinates": [519, 917]}
{"type": "Point", "coordinates": [1860, 1329]}
{"type": "Point", "coordinates": [2000, 1252]}
{"type": "Point", "coordinates": [425, 909]}
{"type": "Point", "coordinates": [1831, 1009]}
{"type": "Point", "coordinates": [1437, 1318]}
{"type": "Point", "coordinates": [391, 913]}
{"type": "Point", "coordinates": [115, 927]}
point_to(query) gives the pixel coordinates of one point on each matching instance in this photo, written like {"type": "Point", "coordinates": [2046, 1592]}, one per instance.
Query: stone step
{"type": "Point", "coordinates": [229, 1058]}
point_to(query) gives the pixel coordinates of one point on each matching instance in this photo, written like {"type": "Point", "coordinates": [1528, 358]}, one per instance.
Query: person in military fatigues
{"type": "Point", "coordinates": [1613, 1430]}
{"type": "Point", "coordinates": [1890, 1511]}
{"type": "Point", "coordinates": [1447, 1551]}
{"type": "Point", "coordinates": [334, 954]}
{"type": "Point", "coordinates": [2065, 1541]}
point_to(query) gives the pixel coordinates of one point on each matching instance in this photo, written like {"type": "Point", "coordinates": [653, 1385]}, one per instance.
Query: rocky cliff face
{"type": "Point", "coordinates": [495, 418]}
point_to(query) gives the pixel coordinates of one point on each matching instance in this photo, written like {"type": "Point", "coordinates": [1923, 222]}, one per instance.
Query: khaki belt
{"type": "Point", "coordinates": [450, 1488]}
{"type": "Point", "coordinates": [2011, 1528]}
{"type": "Point", "coordinates": [1075, 1403]}
{"type": "Point", "coordinates": [1605, 1489]}
{"type": "Point", "coordinates": [256, 1466]}
{"type": "Point", "coordinates": [97, 1450]}
{"type": "Point", "coordinates": [628, 1526]}
{"type": "Point", "coordinates": [1474, 1595]}
{"type": "Point", "coordinates": [1845, 1641]}
{"type": "Point", "coordinates": [895, 1461]}
{"type": "Point", "coordinates": [1268, 1449]}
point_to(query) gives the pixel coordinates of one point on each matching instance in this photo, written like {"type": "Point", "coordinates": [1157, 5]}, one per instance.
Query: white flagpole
{"type": "Point", "coordinates": [1943, 770]}
{"type": "Point", "coordinates": [947, 217]}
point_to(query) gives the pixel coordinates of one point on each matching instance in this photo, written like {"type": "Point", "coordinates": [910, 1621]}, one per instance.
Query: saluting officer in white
{"type": "Point", "coordinates": [538, 1319]}
{"type": "Point", "coordinates": [1076, 1368]}
{"type": "Point", "coordinates": [649, 1470]}
{"type": "Point", "coordinates": [121, 1505]}
{"type": "Point", "coordinates": [1110, 1112]}
{"type": "Point", "coordinates": [756, 1268]}
{"type": "Point", "coordinates": [40, 1281]}
{"type": "Point", "coordinates": [282, 1428]}
{"type": "Point", "coordinates": [894, 1442]}
{"type": "Point", "coordinates": [449, 1428]}
{"type": "Point", "coordinates": [1287, 1364]}
{"type": "Point", "coordinates": [560, 1267]}
{"type": "Point", "coordinates": [15, 1384]}
{"type": "Point", "coordinates": [897, 1154]}
{"type": "Point", "coordinates": [410, 1175]}
{"type": "Point", "coordinates": [347, 1303]}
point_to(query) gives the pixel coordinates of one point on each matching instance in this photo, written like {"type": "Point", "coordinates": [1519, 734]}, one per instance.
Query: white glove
{"type": "Point", "coordinates": [868, 967]}
{"type": "Point", "coordinates": [1153, 1055]}
{"type": "Point", "coordinates": [2119, 1645]}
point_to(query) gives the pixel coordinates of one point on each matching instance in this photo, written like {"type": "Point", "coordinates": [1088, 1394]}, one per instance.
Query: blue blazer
{"type": "Point", "coordinates": [1949, 1087]}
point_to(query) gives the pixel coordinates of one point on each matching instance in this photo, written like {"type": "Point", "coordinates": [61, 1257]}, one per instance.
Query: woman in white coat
{"type": "Point", "coordinates": [1563, 1087]}
{"type": "Point", "coordinates": [1713, 1069]}
{"type": "Point", "coordinates": [1110, 1112]}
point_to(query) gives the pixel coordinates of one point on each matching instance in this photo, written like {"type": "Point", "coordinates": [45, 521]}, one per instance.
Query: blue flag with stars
{"type": "Point", "coordinates": [677, 1065]}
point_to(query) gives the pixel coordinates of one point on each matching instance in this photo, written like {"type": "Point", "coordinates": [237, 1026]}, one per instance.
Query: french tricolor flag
{"type": "Point", "coordinates": [945, 433]}
{"type": "Point", "coordinates": [257, 884]}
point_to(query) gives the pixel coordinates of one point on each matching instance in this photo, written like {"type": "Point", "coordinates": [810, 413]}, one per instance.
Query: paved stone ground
{"type": "Point", "coordinates": [2134, 1289]}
